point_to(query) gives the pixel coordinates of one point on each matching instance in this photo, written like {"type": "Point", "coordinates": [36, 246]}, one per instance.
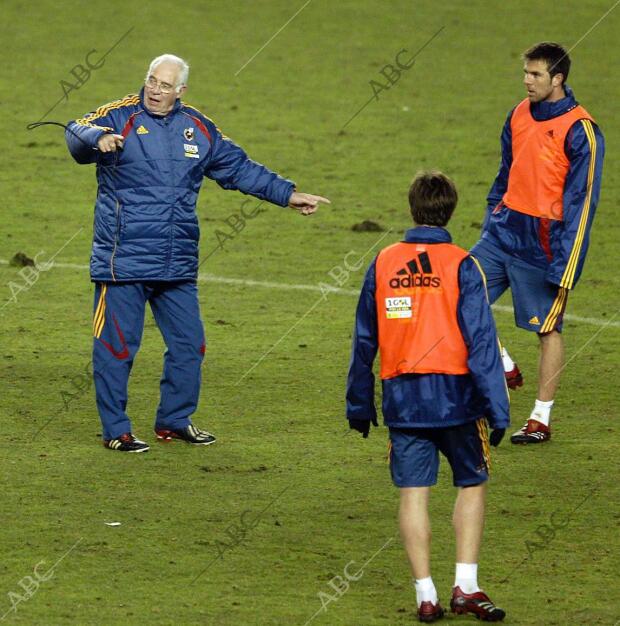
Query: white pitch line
{"type": "Point", "coordinates": [324, 287]}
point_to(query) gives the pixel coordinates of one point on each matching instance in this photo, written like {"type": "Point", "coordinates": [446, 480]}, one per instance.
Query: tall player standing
{"type": "Point", "coordinates": [539, 214]}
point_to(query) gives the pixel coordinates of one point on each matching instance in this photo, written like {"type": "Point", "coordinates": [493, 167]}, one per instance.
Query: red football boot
{"type": "Point", "coordinates": [514, 378]}
{"type": "Point", "coordinates": [429, 612]}
{"type": "Point", "coordinates": [477, 604]}
{"type": "Point", "coordinates": [532, 431]}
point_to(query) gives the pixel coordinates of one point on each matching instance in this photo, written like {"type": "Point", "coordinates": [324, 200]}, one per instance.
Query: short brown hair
{"type": "Point", "coordinates": [553, 54]}
{"type": "Point", "coordinates": [432, 198]}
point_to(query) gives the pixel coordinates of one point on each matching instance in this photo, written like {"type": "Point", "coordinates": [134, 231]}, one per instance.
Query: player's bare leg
{"type": "Point", "coordinates": [550, 364]}
{"type": "Point", "coordinates": [415, 530]}
{"type": "Point", "coordinates": [468, 521]}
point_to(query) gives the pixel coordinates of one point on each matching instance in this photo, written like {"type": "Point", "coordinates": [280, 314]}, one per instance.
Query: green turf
{"type": "Point", "coordinates": [287, 497]}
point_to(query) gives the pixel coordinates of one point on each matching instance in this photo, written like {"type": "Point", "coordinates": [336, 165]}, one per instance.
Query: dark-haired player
{"type": "Point", "coordinates": [539, 213]}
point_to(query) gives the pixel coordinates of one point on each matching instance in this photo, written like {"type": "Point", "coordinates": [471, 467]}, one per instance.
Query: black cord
{"type": "Point", "coordinates": [112, 167]}
{"type": "Point", "coordinates": [34, 125]}
{"type": "Point", "coordinates": [37, 124]}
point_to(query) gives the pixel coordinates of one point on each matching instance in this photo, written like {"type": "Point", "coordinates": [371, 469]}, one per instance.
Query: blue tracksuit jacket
{"type": "Point", "coordinates": [145, 226]}
{"type": "Point", "coordinates": [531, 239]}
{"type": "Point", "coordinates": [432, 400]}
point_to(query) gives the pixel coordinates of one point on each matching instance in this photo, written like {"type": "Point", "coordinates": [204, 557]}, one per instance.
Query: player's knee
{"type": "Point", "coordinates": [553, 336]}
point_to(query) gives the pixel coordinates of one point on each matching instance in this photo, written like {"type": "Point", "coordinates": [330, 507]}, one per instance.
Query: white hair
{"type": "Point", "coordinates": [171, 58]}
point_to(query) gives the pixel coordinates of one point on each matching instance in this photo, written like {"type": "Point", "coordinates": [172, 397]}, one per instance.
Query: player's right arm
{"type": "Point", "coordinates": [478, 329]}
{"type": "Point", "coordinates": [361, 380]}
{"type": "Point", "coordinates": [83, 135]}
{"type": "Point", "coordinates": [500, 184]}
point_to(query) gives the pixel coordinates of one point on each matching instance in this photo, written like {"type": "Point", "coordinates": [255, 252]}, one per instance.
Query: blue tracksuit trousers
{"type": "Point", "coordinates": [117, 328]}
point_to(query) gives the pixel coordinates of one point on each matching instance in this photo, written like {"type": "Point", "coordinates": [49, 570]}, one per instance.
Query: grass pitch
{"type": "Point", "coordinates": [253, 529]}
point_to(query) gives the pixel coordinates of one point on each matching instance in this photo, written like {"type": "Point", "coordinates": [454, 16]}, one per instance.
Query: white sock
{"type": "Point", "coordinates": [425, 590]}
{"type": "Point", "coordinates": [509, 364]}
{"type": "Point", "coordinates": [542, 411]}
{"type": "Point", "coordinates": [466, 577]}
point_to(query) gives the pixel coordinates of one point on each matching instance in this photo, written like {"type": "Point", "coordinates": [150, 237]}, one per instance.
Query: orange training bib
{"type": "Point", "coordinates": [416, 296]}
{"type": "Point", "coordinates": [539, 163]}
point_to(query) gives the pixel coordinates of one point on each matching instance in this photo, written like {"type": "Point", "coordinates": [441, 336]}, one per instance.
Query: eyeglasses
{"type": "Point", "coordinates": [153, 83]}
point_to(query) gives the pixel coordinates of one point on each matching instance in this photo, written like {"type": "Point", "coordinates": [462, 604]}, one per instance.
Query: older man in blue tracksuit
{"type": "Point", "coordinates": [152, 152]}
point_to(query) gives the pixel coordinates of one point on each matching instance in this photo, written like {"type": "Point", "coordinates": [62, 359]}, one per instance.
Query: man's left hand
{"type": "Point", "coordinates": [306, 203]}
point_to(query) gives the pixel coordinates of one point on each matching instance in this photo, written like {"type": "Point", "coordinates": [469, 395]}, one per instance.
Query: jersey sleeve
{"type": "Point", "coordinates": [361, 380]}
{"type": "Point", "coordinates": [585, 149]}
{"type": "Point", "coordinates": [500, 184]}
{"type": "Point", "coordinates": [478, 329]}
{"type": "Point", "coordinates": [83, 134]}
{"type": "Point", "coordinates": [231, 168]}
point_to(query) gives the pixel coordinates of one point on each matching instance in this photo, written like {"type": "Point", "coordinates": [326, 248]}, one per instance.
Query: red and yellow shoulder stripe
{"type": "Point", "coordinates": [569, 272]}
{"type": "Point", "coordinates": [88, 120]}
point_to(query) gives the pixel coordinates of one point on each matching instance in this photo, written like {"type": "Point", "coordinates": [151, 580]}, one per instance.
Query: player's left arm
{"type": "Point", "coordinates": [477, 326]}
{"type": "Point", "coordinates": [585, 149]}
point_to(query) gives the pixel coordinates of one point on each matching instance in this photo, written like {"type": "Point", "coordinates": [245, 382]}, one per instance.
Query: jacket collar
{"type": "Point", "coordinates": [175, 108]}
{"type": "Point", "coordinates": [542, 111]}
{"type": "Point", "coordinates": [427, 234]}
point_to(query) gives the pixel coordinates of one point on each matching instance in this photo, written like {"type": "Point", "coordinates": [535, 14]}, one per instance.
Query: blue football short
{"type": "Point", "coordinates": [414, 454]}
{"type": "Point", "coordinates": [538, 304]}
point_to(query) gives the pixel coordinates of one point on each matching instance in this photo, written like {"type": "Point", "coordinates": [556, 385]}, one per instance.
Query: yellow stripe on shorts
{"type": "Point", "coordinates": [556, 310]}
{"type": "Point", "coordinates": [483, 432]}
{"type": "Point", "coordinates": [99, 318]}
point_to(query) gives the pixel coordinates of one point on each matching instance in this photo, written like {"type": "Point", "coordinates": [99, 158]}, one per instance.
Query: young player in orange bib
{"type": "Point", "coordinates": [424, 307]}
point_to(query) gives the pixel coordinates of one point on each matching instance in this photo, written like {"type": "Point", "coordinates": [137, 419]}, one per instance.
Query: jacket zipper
{"type": "Point", "coordinates": [116, 238]}
{"type": "Point", "coordinates": [168, 131]}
